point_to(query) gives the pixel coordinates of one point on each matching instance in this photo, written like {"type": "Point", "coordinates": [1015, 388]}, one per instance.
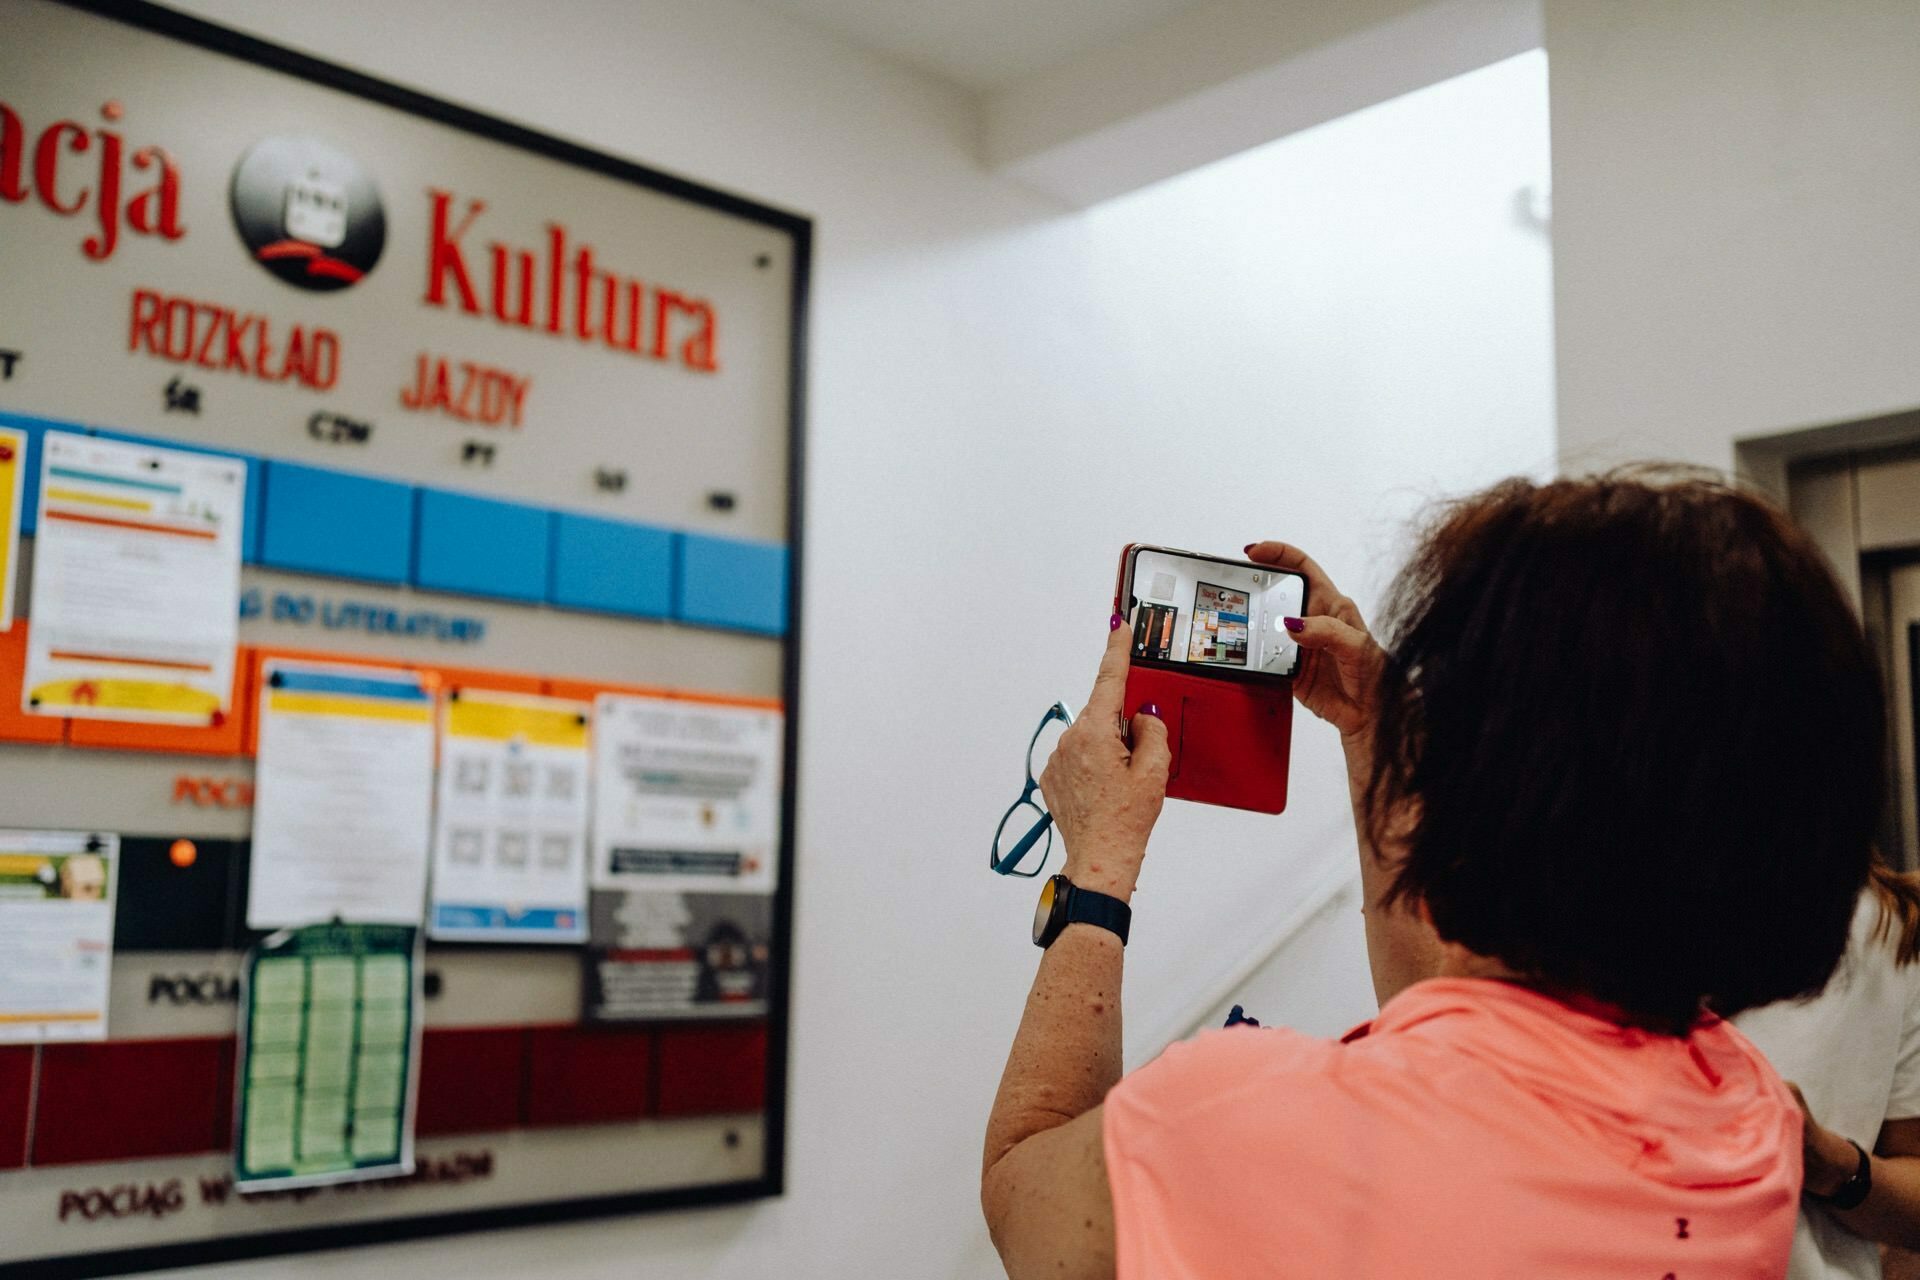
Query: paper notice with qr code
{"type": "Point", "coordinates": [510, 844]}
{"type": "Point", "coordinates": [686, 795]}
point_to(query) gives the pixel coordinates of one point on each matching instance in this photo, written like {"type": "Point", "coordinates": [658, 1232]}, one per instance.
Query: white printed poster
{"type": "Point", "coordinates": [57, 896]}
{"type": "Point", "coordinates": [686, 795]}
{"type": "Point", "coordinates": [136, 582]}
{"type": "Point", "coordinates": [510, 840]}
{"type": "Point", "coordinates": [343, 795]}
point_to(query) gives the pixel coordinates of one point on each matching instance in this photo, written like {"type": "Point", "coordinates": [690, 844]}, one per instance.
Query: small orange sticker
{"type": "Point", "coordinates": [183, 853]}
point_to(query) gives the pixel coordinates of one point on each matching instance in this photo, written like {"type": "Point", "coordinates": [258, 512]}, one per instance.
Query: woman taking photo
{"type": "Point", "coordinates": [1620, 730]}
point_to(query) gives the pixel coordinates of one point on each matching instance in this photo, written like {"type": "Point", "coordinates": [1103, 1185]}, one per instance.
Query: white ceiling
{"type": "Point", "coordinates": [982, 44]}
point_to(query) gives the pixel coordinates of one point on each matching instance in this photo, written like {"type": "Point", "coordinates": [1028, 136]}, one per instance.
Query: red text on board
{"type": "Point", "coordinates": [560, 289]}
{"type": "Point", "coordinates": [61, 183]}
{"type": "Point", "coordinates": [212, 336]}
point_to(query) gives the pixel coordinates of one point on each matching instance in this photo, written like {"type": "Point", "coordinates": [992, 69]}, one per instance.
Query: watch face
{"type": "Point", "coordinates": [1044, 911]}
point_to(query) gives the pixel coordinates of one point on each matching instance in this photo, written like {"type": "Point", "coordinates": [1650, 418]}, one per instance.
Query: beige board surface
{"type": "Point", "coordinates": [166, 995]}
{"type": "Point", "coordinates": [133, 1201]}
{"type": "Point", "coordinates": [82, 789]}
{"type": "Point", "coordinates": [532, 639]}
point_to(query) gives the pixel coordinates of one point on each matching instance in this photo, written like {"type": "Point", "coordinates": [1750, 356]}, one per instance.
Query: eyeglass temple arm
{"type": "Point", "coordinates": [1019, 851]}
{"type": "Point", "coordinates": [1058, 711]}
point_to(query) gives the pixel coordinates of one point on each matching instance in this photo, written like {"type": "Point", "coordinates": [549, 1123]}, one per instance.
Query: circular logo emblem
{"type": "Point", "coordinates": [308, 212]}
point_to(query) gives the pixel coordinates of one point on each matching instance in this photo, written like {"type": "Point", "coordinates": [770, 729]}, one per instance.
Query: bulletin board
{"type": "Point", "coordinates": [518, 419]}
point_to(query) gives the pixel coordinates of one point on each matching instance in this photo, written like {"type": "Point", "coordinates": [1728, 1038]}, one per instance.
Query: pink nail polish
{"type": "Point", "coordinates": [1114, 624]}
{"type": "Point", "coordinates": [1151, 709]}
{"type": "Point", "coordinates": [1295, 625]}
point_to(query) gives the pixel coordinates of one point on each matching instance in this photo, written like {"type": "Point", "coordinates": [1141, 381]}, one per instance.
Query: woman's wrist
{"type": "Point", "coordinates": [1830, 1160]}
{"type": "Point", "coordinates": [1357, 744]}
{"type": "Point", "coordinates": [1103, 872]}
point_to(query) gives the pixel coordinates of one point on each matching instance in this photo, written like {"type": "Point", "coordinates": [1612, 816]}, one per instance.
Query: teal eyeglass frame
{"type": "Point", "coordinates": [1008, 863]}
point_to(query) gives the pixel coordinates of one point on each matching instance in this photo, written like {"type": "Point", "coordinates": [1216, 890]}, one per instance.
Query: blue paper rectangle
{"type": "Point", "coordinates": [731, 583]}
{"type": "Point", "coordinates": [333, 522]}
{"type": "Point", "coordinates": [482, 547]}
{"type": "Point", "coordinates": [612, 567]}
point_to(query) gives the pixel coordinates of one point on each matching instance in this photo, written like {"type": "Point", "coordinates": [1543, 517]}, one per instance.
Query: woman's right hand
{"type": "Point", "coordinates": [1828, 1160]}
{"type": "Point", "coordinates": [1339, 681]}
{"type": "Point", "coordinates": [1340, 662]}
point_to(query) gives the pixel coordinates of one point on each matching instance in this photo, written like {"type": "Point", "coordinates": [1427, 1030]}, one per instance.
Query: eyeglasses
{"type": "Point", "coordinates": [1025, 818]}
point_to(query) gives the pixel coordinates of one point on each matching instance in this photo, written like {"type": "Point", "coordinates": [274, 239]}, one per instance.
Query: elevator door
{"type": "Point", "coordinates": [1901, 645]}
{"type": "Point", "coordinates": [1863, 508]}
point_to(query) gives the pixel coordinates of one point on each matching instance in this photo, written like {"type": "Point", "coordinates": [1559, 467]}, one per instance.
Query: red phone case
{"type": "Point", "coordinates": [1231, 739]}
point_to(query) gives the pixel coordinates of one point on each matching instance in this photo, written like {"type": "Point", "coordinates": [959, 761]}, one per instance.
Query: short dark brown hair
{"type": "Point", "coordinates": [1634, 738]}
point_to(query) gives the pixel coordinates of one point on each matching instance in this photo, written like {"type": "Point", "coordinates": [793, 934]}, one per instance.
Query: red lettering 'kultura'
{"type": "Point", "coordinates": [561, 289]}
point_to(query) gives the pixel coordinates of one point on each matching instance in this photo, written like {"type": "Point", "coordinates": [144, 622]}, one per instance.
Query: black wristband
{"type": "Point", "coordinates": [1852, 1193]}
{"type": "Point", "coordinates": [1084, 906]}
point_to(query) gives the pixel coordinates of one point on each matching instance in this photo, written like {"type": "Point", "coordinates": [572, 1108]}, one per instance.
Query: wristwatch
{"type": "Point", "coordinates": [1852, 1193]}
{"type": "Point", "coordinates": [1062, 902]}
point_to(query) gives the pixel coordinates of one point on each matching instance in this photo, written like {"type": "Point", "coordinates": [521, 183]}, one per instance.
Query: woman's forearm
{"type": "Point", "coordinates": [1402, 948]}
{"type": "Point", "coordinates": [1043, 1183]}
{"type": "Point", "coordinates": [1891, 1212]}
{"type": "Point", "coordinates": [1066, 1054]}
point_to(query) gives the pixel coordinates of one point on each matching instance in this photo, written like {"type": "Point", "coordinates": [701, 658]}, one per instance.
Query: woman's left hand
{"type": "Point", "coordinates": [1829, 1159]}
{"type": "Point", "coordinates": [1105, 797]}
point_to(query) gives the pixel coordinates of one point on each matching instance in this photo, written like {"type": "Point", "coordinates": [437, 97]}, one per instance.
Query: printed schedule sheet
{"type": "Point", "coordinates": [331, 1039]}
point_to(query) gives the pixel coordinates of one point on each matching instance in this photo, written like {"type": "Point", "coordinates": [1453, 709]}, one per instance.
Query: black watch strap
{"type": "Point", "coordinates": [1084, 906]}
{"type": "Point", "coordinates": [1852, 1193]}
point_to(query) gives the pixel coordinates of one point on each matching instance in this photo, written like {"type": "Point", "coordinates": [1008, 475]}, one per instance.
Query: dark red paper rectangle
{"type": "Point", "coordinates": [16, 1096]}
{"type": "Point", "coordinates": [126, 1099]}
{"type": "Point", "coordinates": [229, 1051]}
{"type": "Point", "coordinates": [471, 1079]}
{"type": "Point", "coordinates": [704, 1070]}
{"type": "Point", "coordinates": [582, 1075]}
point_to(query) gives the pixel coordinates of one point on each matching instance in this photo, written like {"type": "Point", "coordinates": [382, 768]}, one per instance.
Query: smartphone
{"type": "Point", "coordinates": [1210, 649]}
{"type": "Point", "coordinates": [1226, 616]}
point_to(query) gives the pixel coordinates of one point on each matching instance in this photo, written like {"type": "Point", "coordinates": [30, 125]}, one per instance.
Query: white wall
{"type": "Point", "coordinates": [1304, 341]}
{"type": "Point", "coordinates": [1736, 220]}
{"type": "Point", "coordinates": [1316, 981]}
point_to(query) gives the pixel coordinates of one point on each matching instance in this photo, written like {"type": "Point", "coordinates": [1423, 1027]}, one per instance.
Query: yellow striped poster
{"type": "Point", "coordinates": [13, 488]}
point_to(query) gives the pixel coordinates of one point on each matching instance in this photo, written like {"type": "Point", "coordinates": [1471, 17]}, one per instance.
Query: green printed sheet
{"type": "Point", "coordinates": [330, 1039]}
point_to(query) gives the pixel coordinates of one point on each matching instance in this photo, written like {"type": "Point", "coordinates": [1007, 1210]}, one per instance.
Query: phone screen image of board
{"type": "Point", "coordinates": [1221, 614]}
{"type": "Point", "coordinates": [1219, 626]}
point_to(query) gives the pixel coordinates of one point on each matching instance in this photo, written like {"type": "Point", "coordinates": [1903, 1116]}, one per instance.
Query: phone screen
{"type": "Point", "coordinates": [1224, 617]}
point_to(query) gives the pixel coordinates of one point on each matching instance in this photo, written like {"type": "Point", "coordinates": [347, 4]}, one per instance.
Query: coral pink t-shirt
{"type": "Point", "coordinates": [1474, 1130]}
